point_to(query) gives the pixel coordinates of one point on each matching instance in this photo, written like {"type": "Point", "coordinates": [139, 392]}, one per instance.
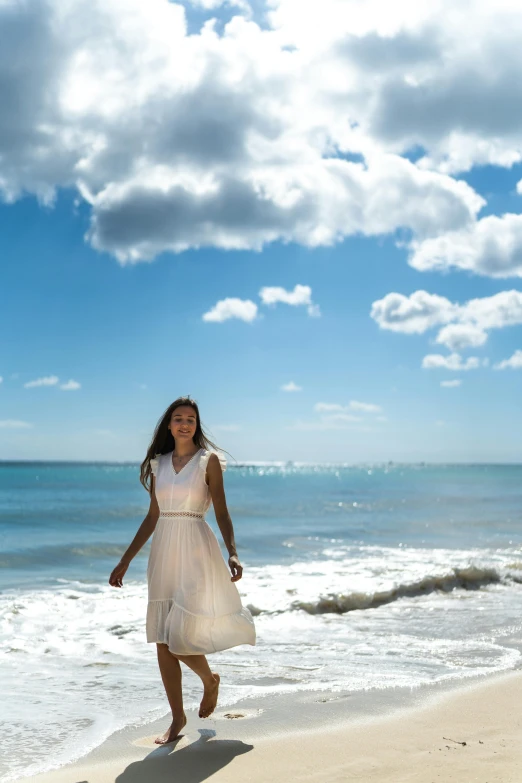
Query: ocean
{"type": "Point", "coordinates": [359, 577]}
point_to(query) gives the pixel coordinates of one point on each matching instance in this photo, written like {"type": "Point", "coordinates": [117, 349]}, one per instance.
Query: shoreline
{"type": "Point", "coordinates": [389, 735]}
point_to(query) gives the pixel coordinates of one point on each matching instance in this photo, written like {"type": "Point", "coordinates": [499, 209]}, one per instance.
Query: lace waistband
{"type": "Point", "coordinates": [196, 514]}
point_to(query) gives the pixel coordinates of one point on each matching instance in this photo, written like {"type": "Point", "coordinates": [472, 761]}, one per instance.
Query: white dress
{"type": "Point", "coordinates": [193, 607]}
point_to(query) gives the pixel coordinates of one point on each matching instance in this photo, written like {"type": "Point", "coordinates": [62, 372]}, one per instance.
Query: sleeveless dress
{"type": "Point", "coordinates": [193, 607]}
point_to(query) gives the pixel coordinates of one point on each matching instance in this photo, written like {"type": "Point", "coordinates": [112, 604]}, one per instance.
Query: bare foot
{"type": "Point", "coordinates": [209, 700]}
{"type": "Point", "coordinates": [173, 730]}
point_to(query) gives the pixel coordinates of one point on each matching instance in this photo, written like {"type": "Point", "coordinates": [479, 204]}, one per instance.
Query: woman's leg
{"type": "Point", "coordinates": [171, 676]}
{"type": "Point", "coordinates": [199, 665]}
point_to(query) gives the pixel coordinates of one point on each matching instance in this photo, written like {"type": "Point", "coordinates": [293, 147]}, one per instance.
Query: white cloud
{"type": "Point", "coordinates": [494, 312]}
{"type": "Point", "coordinates": [413, 314]}
{"type": "Point", "coordinates": [291, 387]}
{"type": "Point", "coordinates": [459, 336]}
{"type": "Point", "coordinates": [431, 74]}
{"type": "Point", "coordinates": [48, 380]}
{"type": "Point", "coordinates": [53, 380]}
{"type": "Point", "coordinates": [452, 362]}
{"type": "Point", "coordinates": [238, 138]}
{"type": "Point", "coordinates": [244, 309]}
{"type": "Point", "coordinates": [451, 384]}
{"type": "Point", "coordinates": [301, 295]}
{"type": "Point", "coordinates": [514, 362]}
{"type": "Point", "coordinates": [492, 247]}
{"type": "Point", "coordinates": [470, 321]}
{"type": "Point", "coordinates": [14, 424]}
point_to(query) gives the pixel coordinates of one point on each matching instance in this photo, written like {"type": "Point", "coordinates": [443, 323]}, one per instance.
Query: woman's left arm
{"type": "Point", "coordinates": [217, 492]}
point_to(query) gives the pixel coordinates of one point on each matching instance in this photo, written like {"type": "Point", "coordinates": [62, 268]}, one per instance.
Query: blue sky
{"type": "Point", "coordinates": [106, 281]}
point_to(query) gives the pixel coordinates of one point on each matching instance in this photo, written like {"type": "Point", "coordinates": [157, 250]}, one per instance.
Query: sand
{"type": "Point", "coordinates": [465, 734]}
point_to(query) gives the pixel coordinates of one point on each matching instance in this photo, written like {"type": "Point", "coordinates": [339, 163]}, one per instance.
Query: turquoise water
{"type": "Point", "coordinates": [379, 575]}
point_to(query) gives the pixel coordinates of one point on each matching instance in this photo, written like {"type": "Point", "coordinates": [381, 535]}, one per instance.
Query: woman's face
{"type": "Point", "coordinates": [183, 423]}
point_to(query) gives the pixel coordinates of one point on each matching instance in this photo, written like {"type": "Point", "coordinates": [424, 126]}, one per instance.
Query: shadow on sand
{"type": "Point", "coordinates": [191, 764]}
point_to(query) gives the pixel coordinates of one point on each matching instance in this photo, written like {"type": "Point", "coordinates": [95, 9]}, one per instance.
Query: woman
{"type": "Point", "coordinates": [194, 607]}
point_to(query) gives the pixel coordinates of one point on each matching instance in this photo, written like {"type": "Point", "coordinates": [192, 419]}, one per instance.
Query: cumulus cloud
{"type": "Point", "coordinates": [451, 384]}
{"type": "Point", "coordinates": [241, 137]}
{"type": "Point", "coordinates": [247, 310]}
{"type": "Point", "coordinates": [513, 363]}
{"type": "Point", "coordinates": [459, 336]}
{"type": "Point", "coordinates": [491, 247]}
{"type": "Point", "coordinates": [291, 387]}
{"type": "Point", "coordinates": [432, 75]}
{"type": "Point", "coordinates": [316, 202]}
{"type": "Point", "coordinates": [301, 295]}
{"type": "Point", "coordinates": [467, 325]}
{"type": "Point", "coordinates": [413, 314]}
{"type": "Point", "coordinates": [452, 362]}
{"type": "Point", "coordinates": [244, 309]}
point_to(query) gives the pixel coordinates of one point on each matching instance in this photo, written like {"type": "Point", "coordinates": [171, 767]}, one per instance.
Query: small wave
{"type": "Point", "coordinates": [469, 578]}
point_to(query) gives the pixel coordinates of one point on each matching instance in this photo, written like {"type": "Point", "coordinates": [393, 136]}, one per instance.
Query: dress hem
{"type": "Point", "coordinates": [201, 616]}
{"type": "Point", "coordinates": [201, 652]}
{"type": "Point", "coordinates": [157, 627]}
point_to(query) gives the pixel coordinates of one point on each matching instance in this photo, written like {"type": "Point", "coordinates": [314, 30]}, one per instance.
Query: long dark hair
{"type": "Point", "coordinates": [163, 441]}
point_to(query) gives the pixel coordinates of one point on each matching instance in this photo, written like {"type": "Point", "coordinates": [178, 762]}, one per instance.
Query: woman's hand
{"type": "Point", "coordinates": [116, 578]}
{"type": "Point", "coordinates": [235, 567]}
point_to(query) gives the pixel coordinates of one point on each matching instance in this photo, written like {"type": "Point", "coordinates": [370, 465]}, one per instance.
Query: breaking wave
{"type": "Point", "coordinates": [471, 577]}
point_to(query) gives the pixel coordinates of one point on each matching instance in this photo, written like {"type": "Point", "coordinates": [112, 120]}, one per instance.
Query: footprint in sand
{"type": "Point", "coordinates": [236, 715]}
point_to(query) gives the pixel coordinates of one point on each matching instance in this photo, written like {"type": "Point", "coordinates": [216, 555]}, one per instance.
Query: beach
{"type": "Point", "coordinates": [374, 589]}
{"type": "Point", "coordinates": [464, 734]}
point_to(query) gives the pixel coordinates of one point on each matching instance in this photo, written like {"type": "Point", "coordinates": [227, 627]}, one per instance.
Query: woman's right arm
{"type": "Point", "coordinates": [145, 531]}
